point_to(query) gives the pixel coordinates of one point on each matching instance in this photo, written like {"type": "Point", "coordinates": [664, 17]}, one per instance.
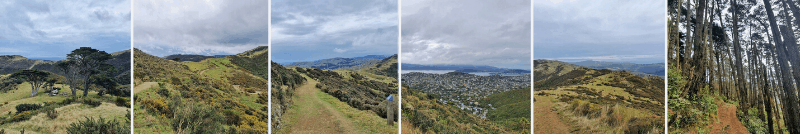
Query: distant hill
{"type": "Point", "coordinates": [371, 57]}
{"type": "Point", "coordinates": [652, 69]}
{"type": "Point", "coordinates": [188, 57]}
{"type": "Point", "coordinates": [354, 63]}
{"type": "Point", "coordinates": [465, 68]}
{"type": "Point", "coordinates": [385, 67]}
{"type": "Point", "coordinates": [13, 63]}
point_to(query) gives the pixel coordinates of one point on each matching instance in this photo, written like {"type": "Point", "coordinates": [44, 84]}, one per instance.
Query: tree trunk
{"type": "Point", "coordinates": [34, 88]}
{"type": "Point", "coordinates": [791, 98]}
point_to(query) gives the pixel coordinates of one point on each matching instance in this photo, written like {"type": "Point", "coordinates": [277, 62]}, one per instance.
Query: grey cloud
{"type": "Point", "coordinates": [476, 32]}
{"type": "Point", "coordinates": [599, 28]}
{"type": "Point", "coordinates": [62, 21]}
{"type": "Point", "coordinates": [343, 28]}
{"type": "Point", "coordinates": [201, 27]}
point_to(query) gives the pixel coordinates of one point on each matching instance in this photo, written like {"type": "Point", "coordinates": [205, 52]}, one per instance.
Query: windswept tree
{"type": "Point", "coordinates": [35, 77]}
{"type": "Point", "coordinates": [70, 70]}
{"type": "Point", "coordinates": [89, 62]}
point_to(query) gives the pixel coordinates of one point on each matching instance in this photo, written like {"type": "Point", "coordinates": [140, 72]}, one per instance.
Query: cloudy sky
{"type": "Point", "coordinates": [308, 30]}
{"type": "Point", "coordinates": [600, 30]}
{"type": "Point", "coordinates": [209, 27]}
{"type": "Point", "coordinates": [471, 32]}
{"type": "Point", "coordinates": [50, 30]}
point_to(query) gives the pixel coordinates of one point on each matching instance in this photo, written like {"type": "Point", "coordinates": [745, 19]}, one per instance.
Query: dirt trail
{"type": "Point", "coordinates": [727, 122]}
{"type": "Point", "coordinates": [546, 119]}
{"type": "Point", "coordinates": [316, 116]}
{"type": "Point", "coordinates": [144, 86]}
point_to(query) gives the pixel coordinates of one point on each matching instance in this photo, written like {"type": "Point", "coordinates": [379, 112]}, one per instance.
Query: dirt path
{"type": "Point", "coordinates": [727, 122]}
{"type": "Point", "coordinates": [316, 116]}
{"type": "Point", "coordinates": [546, 119]}
{"type": "Point", "coordinates": [144, 86]}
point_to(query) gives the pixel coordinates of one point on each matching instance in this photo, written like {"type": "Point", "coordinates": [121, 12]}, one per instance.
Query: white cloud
{"type": "Point", "coordinates": [476, 32]}
{"type": "Point", "coordinates": [338, 50]}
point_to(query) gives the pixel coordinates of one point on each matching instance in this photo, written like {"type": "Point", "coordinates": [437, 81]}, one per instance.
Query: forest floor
{"type": "Point", "coordinates": [546, 120]}
{"type": "Point", "coordinates": [727, 122]}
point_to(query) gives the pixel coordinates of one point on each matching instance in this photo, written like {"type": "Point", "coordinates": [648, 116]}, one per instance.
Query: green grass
{"type": "Point", "coordinates": [512, 108]}
{"type": "Point", "coordinates": [68, 114]}
{"type": "Point", "coordinates": [147, 123]}
{"type": "Point", "coordinates": [364, 119]}
{"type": "Point", "coordinates": [250, 100]}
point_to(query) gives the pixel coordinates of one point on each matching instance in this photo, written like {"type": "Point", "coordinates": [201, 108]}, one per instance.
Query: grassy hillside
{"type": "Point", "coordinates": [216, 94]}
{"type": "Point", "coordinates": [512, 109]}
{"type": "Point", "coordinates": [386, 67]}
{"type": "Point", "coordinates": [423, 114]}
{"type": "Point", "coordinates": [67, 109]}
{"type": "Point", "coordinates": [618, 101]}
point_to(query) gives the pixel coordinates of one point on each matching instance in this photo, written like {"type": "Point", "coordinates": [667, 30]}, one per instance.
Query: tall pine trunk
{"type": "Point", "coordinates": [789, 105]}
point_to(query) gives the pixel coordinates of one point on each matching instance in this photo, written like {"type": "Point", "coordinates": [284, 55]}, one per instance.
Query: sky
{"type": "Point", "coordinates": [309, 30]}
{"type": "Point", "coordinates": [600, 30]}
{"type": "Point", "coordinates": [467, 32]}
{"type": "Point", "coordinates": [209, 27]}
{"type": "Point", "coordinates": [39, 29]}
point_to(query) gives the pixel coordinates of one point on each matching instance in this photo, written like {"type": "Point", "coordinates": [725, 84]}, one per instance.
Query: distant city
{"type": "Point", "coordinates": [463, 90]}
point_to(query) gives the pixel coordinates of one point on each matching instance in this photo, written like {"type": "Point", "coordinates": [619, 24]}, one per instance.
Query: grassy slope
{"type": "Point", "coordinates": [513, 108]}
{"type": "Point", "coordinates": [422, 113]}
{"type": "Point", "coordinates": [212, 73]}
{"type": "Point", "coordinates": [594, 92]}
{"type": "Point", "coordinates": [67, 114]}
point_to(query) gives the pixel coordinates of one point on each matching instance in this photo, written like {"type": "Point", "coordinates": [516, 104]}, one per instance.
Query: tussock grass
{"type": "Point", "coordinates": [594, 118]}
{"type": "Point", "coordinates": [69, 114]}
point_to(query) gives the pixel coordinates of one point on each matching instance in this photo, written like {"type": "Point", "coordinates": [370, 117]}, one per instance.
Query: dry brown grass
{"type": "Point", "coordinates": [68, 114]}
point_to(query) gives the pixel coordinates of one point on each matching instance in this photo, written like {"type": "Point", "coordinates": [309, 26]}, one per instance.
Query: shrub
{"type": "Point", "coordinates": [250, 90]}
{"type": "Point", "coordinates": [67, 101]}
{"type": "Point", "coordinates": [196, 119]}
{"type": "Point", "coordinates": [157, 105]}
{"type": "Point", "coordinates": [92, 102]}
{"type": "Point", "coordinates": [99, 126]}
{"type": "Point", "coordinates": [51, 113]}
{"type": "Point", "coordinates": [252, 125]}
{"type": "Point", "coordinates": [163, 92]}
{"type": "Point", "coordinates": [231, 116]}
{"type": "Point", "coordinates": [21, 116]}
{"type": "Point", "coordinates": [122, 102]}
{"type": "Point", "coordinates": [27, 107]}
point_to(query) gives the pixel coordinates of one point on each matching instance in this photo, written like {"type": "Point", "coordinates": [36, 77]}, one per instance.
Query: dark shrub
{"type": "Point", "coordinates": [99, 126]}
{"type": "Point", "coordinates": [163, 92]}
{"type": "Point", "coordinates": [21, 116]}
{"type": "Point", "coordinates": [122, 102]}
{"type": "Point", "coordinates": [27, 107]}
{"type": "Point", "coordinates": [92, 102]}
{"type": "Point", "coordinates": [51, 113]}
{"type": "Point", "coordinates": [67, 101]}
